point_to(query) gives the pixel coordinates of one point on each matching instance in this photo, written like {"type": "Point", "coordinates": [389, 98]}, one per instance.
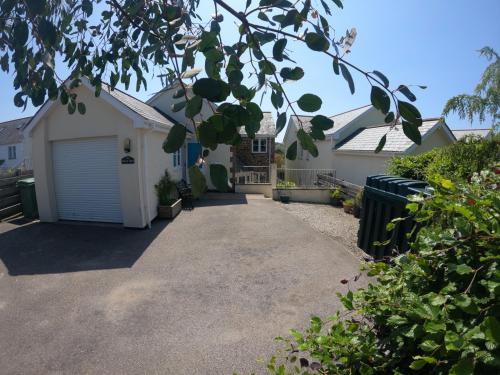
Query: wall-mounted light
{"type": "Point", "coordinates": [127, 145]}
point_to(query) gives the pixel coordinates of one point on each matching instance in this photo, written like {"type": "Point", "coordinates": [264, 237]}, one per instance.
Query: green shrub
{"type": "Point", "coordinates": [285, 184]}
{"type": "Point", "coordinates": [165, 188]}
{"type": "Point", "coordinates": [433, 310]}
{"type": "Point", "coordinates": [336, 193]}
{"type": "Point", "coordinates": [455, 162]}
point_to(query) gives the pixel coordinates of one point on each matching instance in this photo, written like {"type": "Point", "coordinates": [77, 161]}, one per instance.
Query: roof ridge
{"type": "Point", "coordinates": [15, 119]}
{"type": "Point", "coordinates": [351, 110]}
{"type": "Point", "coordinates": [126, 93]}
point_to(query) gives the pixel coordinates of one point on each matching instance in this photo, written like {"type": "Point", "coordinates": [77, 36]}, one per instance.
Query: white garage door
{"type": "Point", "coordinates": [86, 179]}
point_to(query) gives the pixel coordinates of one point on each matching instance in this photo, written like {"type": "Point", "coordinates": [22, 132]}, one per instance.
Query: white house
{"type": "Point", "coordinates": [349, 146]}
{"type": "Point", "coordinates": [102, 166]}
{"type": "Point", "coordinates": [15, 148]}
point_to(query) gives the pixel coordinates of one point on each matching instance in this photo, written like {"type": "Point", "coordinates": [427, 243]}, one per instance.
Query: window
{"type": "Point", "coordinates": [259, 145]}
{"type": "Point", "coordinates": [12, 152]}
{"type": "Point", "coordinates": [177, 158]}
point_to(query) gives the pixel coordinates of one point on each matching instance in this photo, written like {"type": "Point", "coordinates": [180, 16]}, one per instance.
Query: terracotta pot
{"type": "Point", "coordinates": [169, 212]}
{"type": "Point", "coordinates": [348, 208]}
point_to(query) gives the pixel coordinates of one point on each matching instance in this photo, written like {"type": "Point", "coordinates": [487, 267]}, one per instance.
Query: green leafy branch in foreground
{"type": "Point", "coordinates": [433, 310]}
{"type": "Point", "coordinates": [118, 40]}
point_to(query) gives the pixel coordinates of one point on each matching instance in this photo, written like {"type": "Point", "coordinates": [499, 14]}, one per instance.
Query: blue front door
{"type": "Point", "coordinates": [194, 152]}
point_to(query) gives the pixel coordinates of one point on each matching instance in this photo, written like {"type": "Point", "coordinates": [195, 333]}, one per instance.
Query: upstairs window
{"type": "Point", "coordinates": [12, 153]}
{"type": "Point", "coordinates": [259, 145]}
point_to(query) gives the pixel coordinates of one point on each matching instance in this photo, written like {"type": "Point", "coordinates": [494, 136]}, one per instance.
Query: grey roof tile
{"type": "Point", "coordinates": [339, 120]}
{"type": "Point", "coordinates": [367, 139]}
{"type": "Point", "coordinates": [12, 131]}
{"type": "Point", "coordinates": [139, 107]}
{"type": "Point", "coordinates": [267, 126]}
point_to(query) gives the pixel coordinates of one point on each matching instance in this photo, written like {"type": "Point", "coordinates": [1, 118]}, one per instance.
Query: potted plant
{"type": "Point", "coordinates": [169, 205]}
{"type": "Point", "coordinates": [336, 197]}
{"type": "Point", "coordinates": [348, 205]}
{"type": "Point", "coordinates": [358, 204]}
{"type": "Point", "coordinates": [283, 186]}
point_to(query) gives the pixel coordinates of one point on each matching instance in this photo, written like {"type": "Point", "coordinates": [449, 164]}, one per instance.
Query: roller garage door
{"type": "Point", "coordinates": [86, 179]}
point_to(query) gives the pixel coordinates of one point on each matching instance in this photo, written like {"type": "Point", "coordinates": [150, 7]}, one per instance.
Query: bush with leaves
{"type": "Point", "coordinates": [456, 162]}
{"type": "Point", "coordinates": [433, 310]}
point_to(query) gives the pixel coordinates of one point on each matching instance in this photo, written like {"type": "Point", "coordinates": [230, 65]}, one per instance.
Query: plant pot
{"type": "Point", "coordinates": [284, 199]}
{"type": "Point", "coordinates": [348, 208]}
{"type": "Point", "coordinates": [356, 211]}
{"type": "Point", "coordinates": [169, 212]}
{"type": "Point", "coordinates": [336, 202]}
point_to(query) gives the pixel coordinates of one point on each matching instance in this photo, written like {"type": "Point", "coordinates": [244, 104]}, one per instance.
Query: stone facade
{"type": "Point", "coordinates": [243, 155]}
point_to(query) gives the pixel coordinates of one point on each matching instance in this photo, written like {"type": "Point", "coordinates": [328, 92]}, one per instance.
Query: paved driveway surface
{"type": "Point", "coordinates": [204, 294]}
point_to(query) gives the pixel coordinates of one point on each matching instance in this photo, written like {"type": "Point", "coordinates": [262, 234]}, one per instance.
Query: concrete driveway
{"type": "Point", "coordinates": [204, 294]}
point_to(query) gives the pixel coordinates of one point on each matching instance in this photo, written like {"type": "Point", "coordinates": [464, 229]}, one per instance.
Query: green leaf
{"type": "Point", "coordinates": [292, 74]}
{"type": "Point", "coordinates": [406, 92]}
{"type": "Point", "coordinates": [81, 108]}
{"type": "Point", "coordinates": [309, 103]}
{"type": "Point", "coordinates": [417, 364]}
{"type": "Point", "coordinates": [412, 132]}
{"type": "Point", "coordinates": [191, 73]}
{"type": "Point", "coordinates": [211, 89]}
{"type": "Point", "coordinates": [336, 67]}
{"type": "Point", "coordinates": [48, 32]}
{"type": "Point", "coordinates": [491, 328]}
{"type": "Point", "coordinates": [218, 175]}
{"type": "Point", "coordinates": [382, 77]}
{"type": "Point", "coordinates": [71, 107]}
{"type": "Point", "coordinates": [175, 138]}
{"type": "Point", "coordinates": [36, 7]}
{"type": "Point", "coordinates": [198, 181]}
{"type": "Point", "coordinates": [463, 269]}
{"type": "Point", "coordinates": [410, 113]}
{"type": "Point", "coordinates": [178, 94]}
{"type": "Point", "coordinates": [267, 67]}
{"type": "Point", "coordinates": [20, 33]}
{"type": "Point", "coordinates": [291, 152]}
{"type": "Point", "coordinates": [338, 3]}
{"type": "Point", "coordinates": [321, 122]}
{"type": "Point", "coordinates": [193, 106]}
{"type": "Point", "coordinates": [463, 367]}
{"type": "Point", "coordinates": [389, 118]}
{"type": "Point", "coordinates": [18, 99]}
{"type": "Point", "coordinates": [207, 135]}
{"type": "Point", "coordinates": [429, 345]}
{"type": "Point", "coordinates": [307, 142]}
{"type": "Point", "coordinates": [317, 42]}
{"type": "Point", "coordinates": [380, 99]}
{"type": "Point", "coordinates": [381, 144]}
{"type": "Point", "coordinates": [280, 122]}
{"type": "Point", "coordinates": [347, 76]}
{"type": "Point", "coordinates": [278, 49]}
{"type": "Point", "coordinates": [176, 107]}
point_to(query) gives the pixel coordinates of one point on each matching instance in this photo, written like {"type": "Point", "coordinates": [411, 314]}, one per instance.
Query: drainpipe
{"type": "Point", "coordinates": [145, 177]}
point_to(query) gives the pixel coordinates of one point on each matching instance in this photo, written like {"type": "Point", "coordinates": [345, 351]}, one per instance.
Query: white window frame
{"type": "Point", "coordinates": [261, 146]}
{"type": "Point", "coordinates": [177, 158]}
{"type": "Point", "coordinates": [12, 153]}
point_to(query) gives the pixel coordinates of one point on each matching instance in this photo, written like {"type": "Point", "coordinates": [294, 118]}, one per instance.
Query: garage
{"type": "Point", "coordinates": [100, 166]}
{"type": "Point", "coordinates": [86, 179]}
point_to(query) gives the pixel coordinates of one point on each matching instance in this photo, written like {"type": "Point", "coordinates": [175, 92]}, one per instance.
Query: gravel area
{"type": "Point", "coordinates": [332, 221]}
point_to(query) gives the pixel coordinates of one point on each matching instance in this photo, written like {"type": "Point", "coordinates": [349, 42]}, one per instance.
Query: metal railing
{"type": "Point", "coordinates": [252, 174]}
{"type": "Point", "coordinates": [290, 178]}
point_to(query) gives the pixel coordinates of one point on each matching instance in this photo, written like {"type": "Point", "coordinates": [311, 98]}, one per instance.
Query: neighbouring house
{"type": "Point", "coordinates": [15, 148]}
{"type": "Point", "coordinates": [483, 133]}
{"type": "Point", "coordinates": [102, 166]}
{"type": "Point", "coordinates": [349, 146]}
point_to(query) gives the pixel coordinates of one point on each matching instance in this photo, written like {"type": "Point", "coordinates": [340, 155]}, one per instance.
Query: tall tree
{"type": "Point", "coordinates": [129, 39]}
{"type": "Point", "coordinates": [485, 101]}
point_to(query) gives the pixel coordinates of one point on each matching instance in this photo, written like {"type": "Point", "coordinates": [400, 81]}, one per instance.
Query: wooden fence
{"type": "Point", "coordinates": [10, 200]}
{"type": "Point", "coordinates": [347, 187]}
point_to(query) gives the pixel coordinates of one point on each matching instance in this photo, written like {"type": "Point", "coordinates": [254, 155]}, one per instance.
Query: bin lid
{"type": "Point", "coordinates": [26, 182]}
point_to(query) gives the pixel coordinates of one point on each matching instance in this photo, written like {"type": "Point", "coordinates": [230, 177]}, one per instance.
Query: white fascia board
{"type": "Point", "coordinates": [368, 153]}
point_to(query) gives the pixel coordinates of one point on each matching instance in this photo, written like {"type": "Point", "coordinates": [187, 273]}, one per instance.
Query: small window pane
{"type": "Point", "coordinates": [255, 145]}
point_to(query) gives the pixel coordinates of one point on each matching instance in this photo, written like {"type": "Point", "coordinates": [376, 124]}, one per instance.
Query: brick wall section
{"type": "Point", "coordinates": [243, 153]}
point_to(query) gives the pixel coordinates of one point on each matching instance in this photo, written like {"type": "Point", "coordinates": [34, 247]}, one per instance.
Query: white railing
{"type": "Point", "coordinates": [291, 178]}
{"type": "Point", "coordinates": [252, 174]}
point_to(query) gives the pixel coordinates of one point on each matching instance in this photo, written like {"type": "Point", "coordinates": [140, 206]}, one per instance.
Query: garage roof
{"type": "Point", "coordinates": [145, 110]}
{"type": "Point", "coordinates": [460, 133]}
{"type": "Point", "coordinates": [367, 139]}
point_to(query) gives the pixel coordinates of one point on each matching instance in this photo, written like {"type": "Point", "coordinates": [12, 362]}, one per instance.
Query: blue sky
{"type": "Point", "coordinates": [424, 42]}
